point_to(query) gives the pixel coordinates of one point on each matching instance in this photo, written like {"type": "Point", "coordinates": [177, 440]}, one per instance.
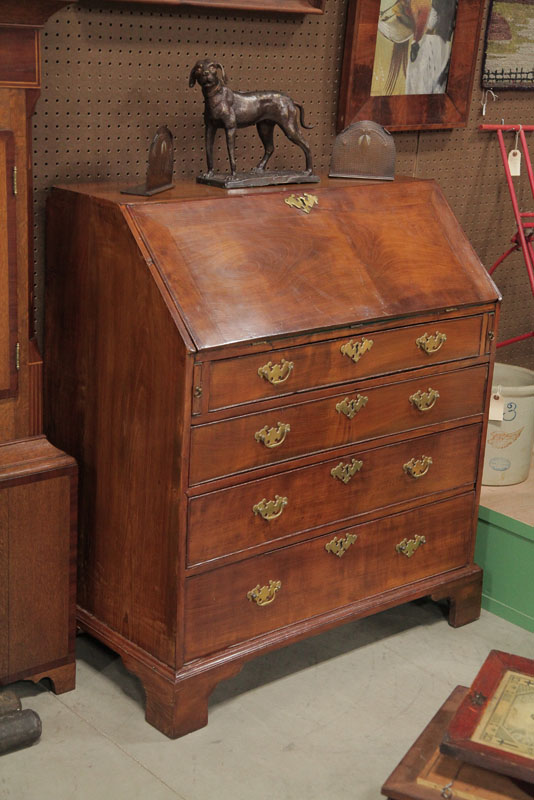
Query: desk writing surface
{"type": "Point", "coordinates": [253, 267]}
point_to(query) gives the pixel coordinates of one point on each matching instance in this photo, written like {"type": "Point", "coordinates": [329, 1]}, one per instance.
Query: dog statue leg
{"type": "Point", "coordinates": [292, 132]}
{"type": "Point", "coordinates": [266, 132]}
{"type": "Point", "coordinates": [209, 138]}
{"type": "Point", "coordinates": [230, 144]}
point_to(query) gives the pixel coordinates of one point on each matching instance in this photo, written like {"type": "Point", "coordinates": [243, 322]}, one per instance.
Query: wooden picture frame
{"type": "Point", "coordinates": [406, 112]}
{"type": "Point", "coordinates": [287, 6]}
{"type": "Point", "coordinates": [493, 727]}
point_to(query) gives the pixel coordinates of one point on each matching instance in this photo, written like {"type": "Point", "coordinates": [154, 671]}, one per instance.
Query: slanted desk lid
{"type": "Point", "coordinates": [247, 267]}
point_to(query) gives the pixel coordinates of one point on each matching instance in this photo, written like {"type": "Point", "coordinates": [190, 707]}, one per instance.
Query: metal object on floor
{"type": "Point", "coordinates": [18, 728]}
{"type": "Point", "coordinates": [363, 150]}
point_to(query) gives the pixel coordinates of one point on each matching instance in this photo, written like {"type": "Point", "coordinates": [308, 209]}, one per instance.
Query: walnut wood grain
{"type": "Point", "coordinates": [230, 447]}
{"type": "Point", "coordinates": [8, 266]}
{"type": "Point", "coordinates": [235, 381]}
{"type": "Point", "coordinates": [38, 559]}
{"type": "Point", "coordinates": [136, 443]}
{"type": "Point", "coordinates": [209, 263]}
{"type": "Point", "coordinates": [316, 498]}
{"type": "Point", "coordinates": [219, 614]}
{"type": "Point", "coordinates": [143, 301]}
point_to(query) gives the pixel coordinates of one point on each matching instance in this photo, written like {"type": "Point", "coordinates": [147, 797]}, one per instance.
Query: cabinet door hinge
{"type": "Point", "coordinates": [17, 356]}
{"type": "Point", "coordinates": [15, 181]}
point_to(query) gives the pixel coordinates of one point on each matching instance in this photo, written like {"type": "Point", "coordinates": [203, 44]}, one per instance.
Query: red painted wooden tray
{"type": "Point", "coordinates": [494, 725]}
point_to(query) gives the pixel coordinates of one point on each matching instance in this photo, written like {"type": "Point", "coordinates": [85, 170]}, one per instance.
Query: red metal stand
{"type": "Point", "coordinates": [522, 239]}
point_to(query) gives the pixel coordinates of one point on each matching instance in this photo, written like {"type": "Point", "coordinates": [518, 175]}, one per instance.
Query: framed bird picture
{"type": "Point", "coordinates": [409, 64]}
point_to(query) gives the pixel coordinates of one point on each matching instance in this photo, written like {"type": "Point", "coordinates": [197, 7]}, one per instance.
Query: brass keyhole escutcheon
{"type": "Point", "coordinates": [273, 437]}
{"type": "Point", "coordinates": [265, 595]}
{"type": "Point", "coordinates": [276, 373]}
{"type": "Point", "coordinates": [355, 350]}
{"type": "Point", "coordinates": [417, 467]}
{"type": "Point", "coordinates": [344, 472]}
{"type": "Point", "coordinates": [351, 407]}
{"type": "Point", "coordinates": [339, 547]}
{"type": "Point", "coordinates": [304, 202]}
{"type": "Point", "coordinates": [270, 509]}
{"type": "Point", "coordinates": [408, 546]}
{"type": "Point", "coordinates": [431, 343]}
{"type": "Point", "coordinates": [424, 401]}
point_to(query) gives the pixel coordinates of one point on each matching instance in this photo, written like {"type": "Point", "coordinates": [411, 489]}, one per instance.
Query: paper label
{"type": "Point", "coordinates": [496, 409]}
{"type": "Point", "coordinates": [514, 162]}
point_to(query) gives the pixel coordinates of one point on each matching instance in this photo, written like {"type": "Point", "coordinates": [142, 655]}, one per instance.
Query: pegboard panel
{"type": "Point", "coordinates": [112, 73]}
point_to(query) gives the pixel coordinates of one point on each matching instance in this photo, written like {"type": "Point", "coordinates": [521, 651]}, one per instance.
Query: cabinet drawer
{"type": "Point", "coordinates": [278, 372]}
{"type": "Point", "coordinates": [313, 580]}
{"type": "Point", "coordinates": [309, 497]}
{"type": "Point", "coordinates": [231, 446]}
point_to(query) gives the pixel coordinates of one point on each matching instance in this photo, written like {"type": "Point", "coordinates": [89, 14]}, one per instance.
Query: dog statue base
{"type": "Point", "coordinates": [245, 180]}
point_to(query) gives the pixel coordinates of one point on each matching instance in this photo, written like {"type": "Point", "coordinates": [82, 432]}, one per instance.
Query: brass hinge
{"type": "Point", "coordinates": [17, 356]}
{"type": "Point", "coordinates": [15, 181]}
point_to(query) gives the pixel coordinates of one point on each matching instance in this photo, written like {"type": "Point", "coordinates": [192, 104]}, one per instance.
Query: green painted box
{"type": "Point", "coordinates": [505, 551]}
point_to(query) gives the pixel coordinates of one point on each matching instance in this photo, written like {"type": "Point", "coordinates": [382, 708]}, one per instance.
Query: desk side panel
{"type": "Point", "coordinates": [116, 380]}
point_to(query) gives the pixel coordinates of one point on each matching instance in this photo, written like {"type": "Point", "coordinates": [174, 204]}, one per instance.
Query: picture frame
{"type": "Point", "coordinates": [493, 727]}
{"type": "Point", "coordinates": [405, 112]}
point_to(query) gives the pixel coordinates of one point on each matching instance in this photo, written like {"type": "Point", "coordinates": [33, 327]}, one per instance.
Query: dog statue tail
{"type": "Point", "coordinates": [300, 108]}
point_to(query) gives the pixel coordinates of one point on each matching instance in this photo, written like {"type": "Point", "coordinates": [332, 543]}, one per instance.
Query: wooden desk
{"type": "Point", "coordinates": [278, 417]}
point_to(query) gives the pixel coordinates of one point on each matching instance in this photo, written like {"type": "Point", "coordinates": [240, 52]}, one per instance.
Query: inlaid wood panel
{"type": "Point", "coordinates": [4, 582]}
{"type": "Point", "coordinates": [39, 598]}
{"type": "Point", "coordinates": [313, 580]}
{"type": "Point", "coordinates": [8, 266]}
{"type": "Point", "coordinates": [20, 63]}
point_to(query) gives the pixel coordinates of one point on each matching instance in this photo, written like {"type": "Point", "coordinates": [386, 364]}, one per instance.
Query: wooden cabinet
{"type": "Point", "coordinates": [36, 543]}
{"type": "Point", "coordinates": [278, 416]}
{"type": "Point", "coordinates": [37, 562]}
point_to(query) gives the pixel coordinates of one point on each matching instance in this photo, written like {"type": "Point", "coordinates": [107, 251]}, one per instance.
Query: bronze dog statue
{"type": "Point", "coordinates": [224, 108]}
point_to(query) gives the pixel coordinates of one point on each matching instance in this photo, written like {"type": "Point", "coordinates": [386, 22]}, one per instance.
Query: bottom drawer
{"type": "Point", "coordinates": [307, 579]}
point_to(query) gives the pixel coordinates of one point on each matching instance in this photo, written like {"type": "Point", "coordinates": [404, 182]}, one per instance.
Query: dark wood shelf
{"type": "Point", "coordinates": [287, 6]}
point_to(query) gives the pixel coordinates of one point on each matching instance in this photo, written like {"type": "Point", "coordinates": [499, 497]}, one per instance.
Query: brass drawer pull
{"type": "Point", "coordinates": [424, 401]}
{"type": "Point", "coordinates": [408, 546]}
{"type": "Point", "coordinates": [339, 547]}
{"type": "Point", "coordinates": [276, 373]}
{"type": "Point", "coordinates": [355, 350]}
{"type": "Point", "coordinates": [265, 595]}
{"type": "Point", "coordinates": [344, 472]}
{"type": "Point", "coordinates": [351, 407]}
{"type": "Point", "coordinates": [273, 437]}
{"type": "Point", "coordinates": [417, 467]}
{"type": "Point", "coordinates": [270, 509]}
{"type": "Point", "coordinates": [431, 344]}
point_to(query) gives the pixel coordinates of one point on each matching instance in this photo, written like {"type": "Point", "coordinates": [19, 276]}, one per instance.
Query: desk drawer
{"type": "Point", "coordinates": [231, 446]}
{"type": "Point", "coordinates": [278, 372]}
{"type": "Point", "coordinates": [312, 580]}
{"type": "Point", "coordinates": [309, 497]}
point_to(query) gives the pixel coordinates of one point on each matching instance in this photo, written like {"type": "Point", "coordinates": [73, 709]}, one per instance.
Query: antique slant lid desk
{"type": "Point", "coordinates": [278, 414]}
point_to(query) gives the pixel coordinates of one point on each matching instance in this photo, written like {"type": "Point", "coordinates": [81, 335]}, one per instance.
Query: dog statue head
{"type": "Point", "coordinates": [205, 72]}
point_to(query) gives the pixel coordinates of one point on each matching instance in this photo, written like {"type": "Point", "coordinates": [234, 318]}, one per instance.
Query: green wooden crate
{"type": "Point", "coordinates": [505, 551]}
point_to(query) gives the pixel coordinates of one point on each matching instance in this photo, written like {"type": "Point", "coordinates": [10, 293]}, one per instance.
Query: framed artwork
{"type": "Point", "coordinates": [409, 64]}
{"type": "Point", "coordinates": [494, 725]}
{"type": "Point", "coordinates": [509, 46]}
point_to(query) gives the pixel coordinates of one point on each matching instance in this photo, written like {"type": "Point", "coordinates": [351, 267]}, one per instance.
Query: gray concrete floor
{"type": "Point", "coordinates": [325, 719]}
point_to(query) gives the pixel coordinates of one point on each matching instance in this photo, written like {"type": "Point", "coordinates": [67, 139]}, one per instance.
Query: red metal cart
{"type": "Point", "coordinates": [522, 239]}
